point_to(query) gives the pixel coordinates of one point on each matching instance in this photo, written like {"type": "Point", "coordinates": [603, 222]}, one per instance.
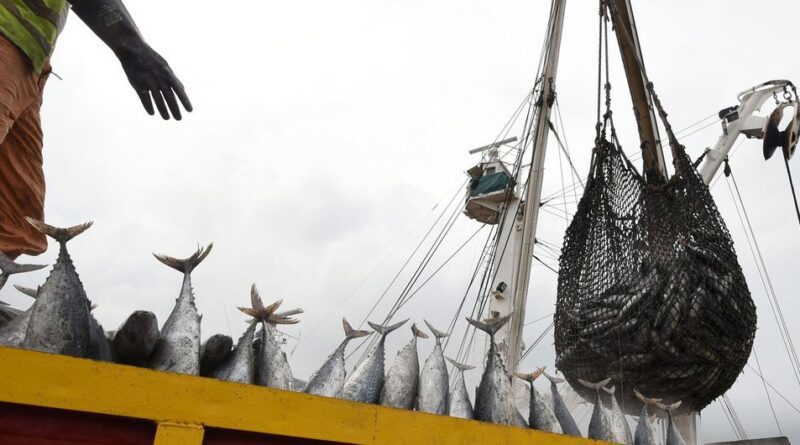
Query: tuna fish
{"type": "Point", "coordinates": [493, 400]}
{"type": "Point", "coordinates": [401, 384]}
{"type": "Point", "coordinates": [59, 320]}
{"type": "Point", "coordinates": [10, 313]}
{"type": "Point", "coordinates": [646, 433]}
{"type": "Point", "coordinates": [619, 424]}
{"type": "Point", "coordinates": [366, 382]}
{"type": "Point", "coordinates": [600, 427]}
{"type": "Point", "coordinates": [213, 352]}
{"type": "Point", "coordinates": [135, 339]}
{"type": "Point", "coordinates": [178, 345]}
{"type": "Point", "coordinates": [99, 347]}
{"type": "Point", "coordinates": [519, 419]}
{"type": "Point", "coordinates": [541, 415]}
{"type": "Point", "coordinates": [9, 267]}
{"type": "Point", "coordinates": [239, 366]}
{"type": "Point", "coordinates": [568, 424]}
{"type": "Point", "coordinates": [673, 435]}
{"type": "Point", "coordinates": [434, 384]}
{"type": "Point", "coordinates": [328, 380]}
{"type": "Point", "coordinates": [459, 403]}
{"type": "Point", "coordinates": [13, 332]}
{"type": "Point", "coordinates": [272, 367]}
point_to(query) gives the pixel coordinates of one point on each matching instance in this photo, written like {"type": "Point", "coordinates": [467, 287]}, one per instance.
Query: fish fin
{"type": "Point", "coordinates": [531, 376]}
{"type": "Point", "coordinates": [610, 390]}
{"type": "Point", "coordinates": [289, 313]}
{"type": "Point", "coordinates": [436, 333]}
{"type": "Point", "coordinates": [255, 298]}
{"type": "Point", "coordinates": [284, 317]}
{"type": "Point", "coordinates": [490, 325]}
{"type": "Point", "coordinates": [33, 293]}
{"type": "Point", "coordinates": [59, 234]}
{"type": "Point", "coordinates": [669, 407]}
{"type": "Point", "coordinates": [460, 366]}
{"type": "Point", "coordinates": [186, 265]}
{"type": "Point", "coordinates": [553, 380]}
{"type": "Point", "coordinates": [385, 330]}
{"type": "Point", "coordinates": [646, 400]}
{"type": "Point", "coordinates": [594, 385]}
{"type": "Point", "coordinates": [259, 311]}
{"type": "Point", "coordinates": [9, 267]}
{"type": "Point", "coordinates": [417, 332]}
{"type": "Point", "coordinates": [350, 333]}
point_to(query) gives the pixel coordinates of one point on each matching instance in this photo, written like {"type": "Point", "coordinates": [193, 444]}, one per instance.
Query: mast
{"type": "Point", "coordinates": [632, 59]}
{"type": "Point", "coordinates": [534, 189]}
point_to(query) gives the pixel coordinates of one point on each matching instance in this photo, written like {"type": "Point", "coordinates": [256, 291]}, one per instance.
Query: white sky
{"type": "Point", "coordinates": [324, 132]}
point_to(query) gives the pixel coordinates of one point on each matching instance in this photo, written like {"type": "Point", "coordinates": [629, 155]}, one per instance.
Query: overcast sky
{"type": "Point", "coordinates": [325, 132]}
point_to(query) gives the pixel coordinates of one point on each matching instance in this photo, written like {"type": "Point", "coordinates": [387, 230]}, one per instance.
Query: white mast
{"type": "Point", "coordinates": [534, 190]}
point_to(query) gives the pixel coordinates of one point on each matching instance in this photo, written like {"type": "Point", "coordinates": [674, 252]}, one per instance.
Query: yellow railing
{"type": "Point", "coordinates": [182, 406]}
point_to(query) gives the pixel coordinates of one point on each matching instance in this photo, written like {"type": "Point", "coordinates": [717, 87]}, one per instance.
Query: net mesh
{"type": "Point", "coordinates": [650, 292]}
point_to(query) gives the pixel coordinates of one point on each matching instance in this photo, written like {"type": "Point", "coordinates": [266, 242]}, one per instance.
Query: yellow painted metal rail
{"type": "Point", "coordinates": [182, 406]}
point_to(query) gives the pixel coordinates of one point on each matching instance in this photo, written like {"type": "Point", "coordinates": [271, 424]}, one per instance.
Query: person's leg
{"type": "Point", "coordinates": [21, 176]}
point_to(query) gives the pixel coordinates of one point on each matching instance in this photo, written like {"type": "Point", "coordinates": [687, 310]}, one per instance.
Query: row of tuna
{"type": "Point", "coordinates": [61, 321]}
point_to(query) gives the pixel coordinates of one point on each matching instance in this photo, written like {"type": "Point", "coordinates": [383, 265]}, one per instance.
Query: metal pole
{"type": "Point", "coordinates": [534, 190]}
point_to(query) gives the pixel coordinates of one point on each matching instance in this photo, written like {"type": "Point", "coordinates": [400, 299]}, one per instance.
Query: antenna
{"type": "Point", "coordinates": [494, 145]}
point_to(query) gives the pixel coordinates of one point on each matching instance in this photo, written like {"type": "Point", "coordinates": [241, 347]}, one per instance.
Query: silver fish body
{"type": "Point", "coordinates": [459, 404]}
{"type": "Point", "coordinates": [401, 383]}
{"type": "Point", "coordinates": [565, 419]}
{"type": "Point", "coordinates": [646, 433]}
{"type": "Point", "coordinates": [329, 379]}
{"type": "Point", "coordinates": [541, 415]}
{"type": "Point", "coordinates": [366, 382]}
{"type": "Point", "coordinates": [434, 382]}
{"type": "Point", "coordinates": [600, 426]}
{"type": "Point", "coordinates": [13, 333]}
{"type": "Point", "coordinates": [134, 341]}
{"type": "Point", "coordinates": [493, 400]}
{"type": "Point", "coordinates": [240, 366]}
{"type": "Point", "coordinates": [272, 367]}
{"type": "Point", "coordinates": [673, 435]}
{"type": "Point", "coordinates": [178, 345]}
{"type": "Point", "coordinates": [99, 347]}
{"type": "Point", "coordinates": [619, 424]}
{"type": "Point", "coordinates": [59, 318]}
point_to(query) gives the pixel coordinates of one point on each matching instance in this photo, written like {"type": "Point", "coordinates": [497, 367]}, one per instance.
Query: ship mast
{"type": "Point", "coordinates": [539, 136]}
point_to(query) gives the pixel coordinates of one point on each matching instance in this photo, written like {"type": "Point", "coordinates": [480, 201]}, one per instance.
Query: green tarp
{"type": "Point", "coordinates": [490, 183]}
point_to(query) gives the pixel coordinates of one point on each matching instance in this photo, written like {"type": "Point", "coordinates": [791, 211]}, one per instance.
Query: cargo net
{"type": "Point", "coordinates": [650, 292]}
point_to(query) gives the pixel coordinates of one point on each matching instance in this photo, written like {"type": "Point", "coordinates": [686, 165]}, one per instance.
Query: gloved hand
{"type": "Point", "coordinates": [154, 81]}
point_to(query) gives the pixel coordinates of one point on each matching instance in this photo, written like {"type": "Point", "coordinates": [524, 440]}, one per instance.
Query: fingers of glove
{"type": "Point", "coordinates": [147, 103]}
{"type": "Point", "coordinates": [162, 107]}
{"type": "Point", "coordinates": [172, 103]}
{"type": "Point", "coordinates": [177, 86]}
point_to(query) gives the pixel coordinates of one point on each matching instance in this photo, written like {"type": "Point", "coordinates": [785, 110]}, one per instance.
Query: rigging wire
{"type": "Point", "coordinates": [372, 272]}
{"type": "Point", "coordinates": [735, 416]}
{"type": "Point", "coordinates": [769, 398]}
{"type": "Point", "coordinates": [766, 280]}
{"type": "Point", "coordinates": [792, 405]}
{"type": "Point", "coordinates": [791, 187]}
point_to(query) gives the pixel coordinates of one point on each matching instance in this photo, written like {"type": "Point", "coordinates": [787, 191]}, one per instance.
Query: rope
{"type": "Point", "coordinates": [791, 186]}
{"type": "Point", "coordinates": [766, 281]}
{"type": "Point", "coordinates": [769, 398]}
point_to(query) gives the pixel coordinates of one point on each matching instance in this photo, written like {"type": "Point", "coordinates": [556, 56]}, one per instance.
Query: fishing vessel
{"type": "Point", "coordinates": [82, 399]}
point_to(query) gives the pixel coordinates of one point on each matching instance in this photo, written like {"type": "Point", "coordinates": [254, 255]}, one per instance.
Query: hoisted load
{"type": "Point", "coordinates": [490, 188]}
{"type": "Point", "coordinates": [650, 292]}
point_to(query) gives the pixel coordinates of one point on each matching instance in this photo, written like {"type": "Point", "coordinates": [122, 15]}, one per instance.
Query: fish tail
{"type": "Point", "coordinates": [350, 333]}
{"type": "Point", "coordinates": [9, 267]}
{"type": "Point", "coordinates": [186, 265]}
{"type": "Point", "coordinates": [385, 330]}
{"type": "Point", "coordinates": [595, 385]}
{"type": "Point", "coordinates": [646, 400]}
{"type": "Point", "coordinates": [436, 333]}
{"type": "Point", "coordinates": [490, 325]}
{"type": "Point", "coordinates": [530, 377]}
{"type": "Point", "coordinates": [62, 235]}
{"type": "Point", "coordinates": [460, 366]}
{"type": "Point", "coordinates": [553, 380]}
{"type": "Point", "coordinates": [417, 332]}
{"type": "Point", "coordinates": [669, 407]}
{"type": "Point", "coordinates": [33, 293]}
{"type": "Point", "coordinates": [610, 390]}
{"type": "Point", "coordinates": [266, 313]}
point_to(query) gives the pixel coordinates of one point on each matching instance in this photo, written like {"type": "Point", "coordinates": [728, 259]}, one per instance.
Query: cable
{"type": "Point", "coordinates": [791, 186]}
{"type": "Point", "coordinates": [769, 398]}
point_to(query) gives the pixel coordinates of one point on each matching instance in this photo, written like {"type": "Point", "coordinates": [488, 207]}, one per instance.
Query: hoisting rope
{"type": "Point", "coordinates": [791, 186]}
{"type": "Point", "coordinates": [761, 266]}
